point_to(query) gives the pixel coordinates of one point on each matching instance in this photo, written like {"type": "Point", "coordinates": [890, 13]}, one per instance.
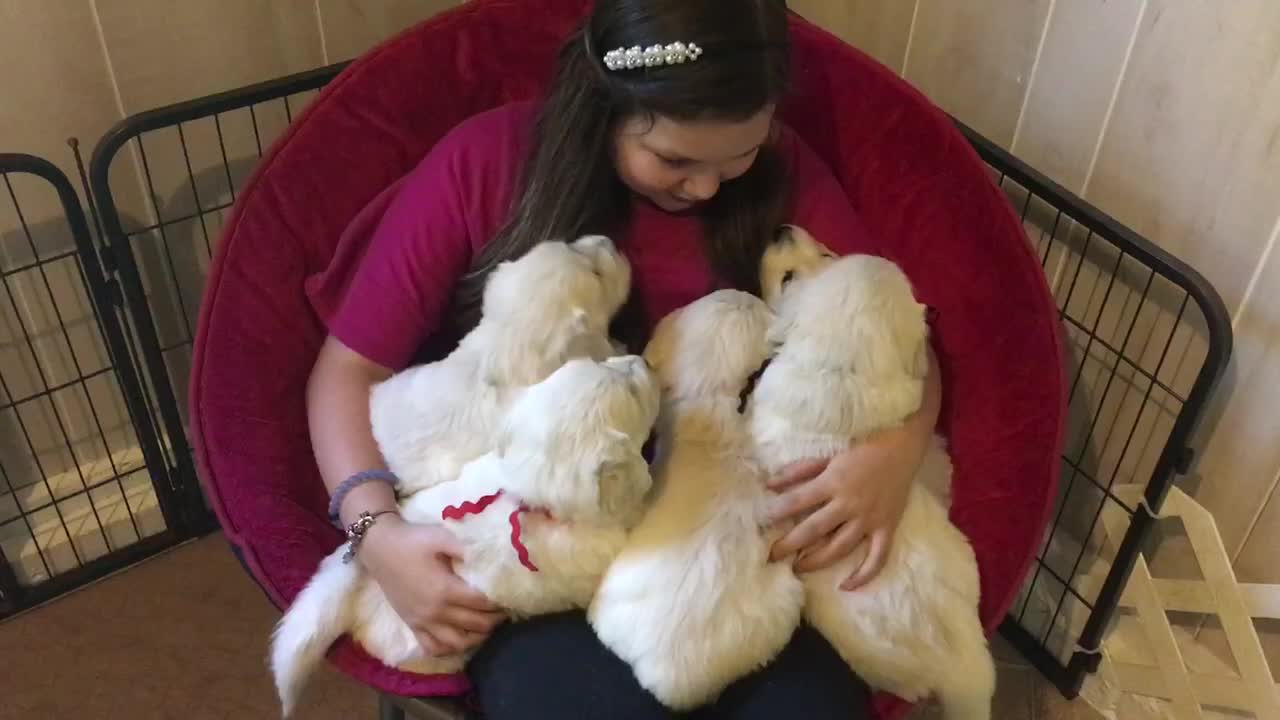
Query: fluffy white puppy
{"type": "Point", "coordinates": [692, 601]}
{"type": "Point", "coordinates": [852, 360]}
{"type": "Point", "coordinates": [539, 519]}
{"type": "Point", "coordinates": [551, 304]}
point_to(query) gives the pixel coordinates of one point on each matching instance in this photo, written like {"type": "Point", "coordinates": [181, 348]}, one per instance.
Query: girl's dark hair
{"type": "Point", "coordinates": [568, 186]}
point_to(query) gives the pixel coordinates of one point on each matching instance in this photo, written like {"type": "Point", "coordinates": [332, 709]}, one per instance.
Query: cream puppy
{"type": "Point", "coordinates": [852, 360]}
{"type": "Point", "coordinates": [796, 255]}
{"type": "Point", "coordinates": [539, 519]}
{"type": "Point", "coordinates": [553, 303]}
{"type": "Point", "coordinates": [692, 602]}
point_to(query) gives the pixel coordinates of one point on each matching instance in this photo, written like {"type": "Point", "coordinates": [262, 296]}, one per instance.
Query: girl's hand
{"type": "Point", "coordinates": [413, 566]}
{"type": "Point", "coordinates": [858, 495]}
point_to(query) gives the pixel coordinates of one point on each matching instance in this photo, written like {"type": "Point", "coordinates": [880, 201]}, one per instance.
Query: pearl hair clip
{"type": "Point", "coordinates": [676, 53]}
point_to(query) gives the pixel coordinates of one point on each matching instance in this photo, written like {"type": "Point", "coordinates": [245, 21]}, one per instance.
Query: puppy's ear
{"type": "Point", "coordinates": [920, 357]}
{"type": "Point", "coordinates": [622, 481]}
{"type": "Point", "coordinates": [920, 363]}
{"type": "Point", "coordinates": [658, 352]}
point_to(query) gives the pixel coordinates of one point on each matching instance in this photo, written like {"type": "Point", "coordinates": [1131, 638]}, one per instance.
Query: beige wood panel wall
{"type": "Point", "coordinates": [1166, 114]}
{"type": "Point", "coordinates": [73, 68]}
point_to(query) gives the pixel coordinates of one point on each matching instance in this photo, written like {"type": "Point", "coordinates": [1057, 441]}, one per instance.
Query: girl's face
{"type": "Point", "coordinates": [677, 165]}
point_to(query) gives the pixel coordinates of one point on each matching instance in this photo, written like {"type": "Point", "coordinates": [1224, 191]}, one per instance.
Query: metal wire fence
{"type": "Point", "coordinates": [1147, 340]}
{"type": "Point", "coordinates": [77, 495]}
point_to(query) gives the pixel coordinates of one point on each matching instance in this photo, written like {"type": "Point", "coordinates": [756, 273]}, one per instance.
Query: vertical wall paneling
{"type": "Point", "coordinates": [1190, 155]}
{"type": "Point", "coordinates": [975, 58]}
{"type": "Point", "coordinates": [352, 26]}
{"type": "Point", "coordinates": [1242, 456]}
{"type": "Point", "coordinates": [876, 27]}
{"type": "Point", "coordinates": [1192, 160]}
{"type": "Point", "coordinates": [53, 86]}
{"type": "Point", "coordinates": [1081, 64]}
{"type": "Point", "coordinates": [160, 53]}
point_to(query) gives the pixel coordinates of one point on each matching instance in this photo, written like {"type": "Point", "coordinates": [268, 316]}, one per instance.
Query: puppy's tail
{"type": "Point", "coordinates": [319, 615]}
{"type": "Point", "coordinates": [967, 689]}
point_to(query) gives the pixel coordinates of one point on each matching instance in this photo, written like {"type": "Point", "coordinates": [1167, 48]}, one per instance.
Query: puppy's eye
{"type": "Point", "coordinates": [787, 277]}
{"type": "Point", "coordinates": [829, 256]}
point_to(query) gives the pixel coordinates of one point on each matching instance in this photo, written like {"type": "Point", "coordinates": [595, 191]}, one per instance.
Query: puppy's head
{"type": "Point", "coordinates": [573, 441]}
{"type": "Point", "coordinates": [793, 254]}
{"type": "Point", "coordinates": [711, 347]}
{"type": "Point", "coordinates": [858, 315]}
{"type": "Point", "coordinates": [578, 286]}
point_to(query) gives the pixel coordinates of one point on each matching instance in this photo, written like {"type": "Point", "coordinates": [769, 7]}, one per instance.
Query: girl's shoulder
{"type": "Point", "coordinates": [497, 133]}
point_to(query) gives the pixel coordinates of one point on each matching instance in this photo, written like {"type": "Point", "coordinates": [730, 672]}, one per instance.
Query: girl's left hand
{"type": "Point", "coordinates": [857, 495]}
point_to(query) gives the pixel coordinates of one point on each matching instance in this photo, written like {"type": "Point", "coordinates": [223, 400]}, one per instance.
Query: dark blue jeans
{"type": "Point", "coordinates": [554, 667]}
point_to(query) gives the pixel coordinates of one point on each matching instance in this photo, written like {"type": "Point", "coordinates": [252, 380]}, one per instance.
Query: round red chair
{"type": "Point", "coordinates": [912, 175]}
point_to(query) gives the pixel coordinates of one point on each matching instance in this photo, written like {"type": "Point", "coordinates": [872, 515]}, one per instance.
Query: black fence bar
{"type": "Point", "coordinates": [118, 240]}
{"type": "Point", "coordinates": [101, 294]}
{"type": "Point", "coordinates": [1176, 455]}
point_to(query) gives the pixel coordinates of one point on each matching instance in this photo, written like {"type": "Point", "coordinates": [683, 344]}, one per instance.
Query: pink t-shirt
{"type": "Point", "coordinates": [457, 199]}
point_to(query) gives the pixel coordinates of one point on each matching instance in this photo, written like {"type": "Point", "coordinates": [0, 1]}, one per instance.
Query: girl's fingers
{"type": "Point", "coordinates": [807, 533]}
{"type": "Point", "coordinates": [472, 620]}
{"type": "Point", "coordinates": [461, 594]}
{"type": "Point", "coordinates": [430, 645]}
{"type": "Point", "coordinates": [836, 548]}
{"type": "Point", "coordinates": [798, 500]}
{"type": "Point", "coordinates": [797, 473]}
{"type": "Point", "coordinates": [872, 564]}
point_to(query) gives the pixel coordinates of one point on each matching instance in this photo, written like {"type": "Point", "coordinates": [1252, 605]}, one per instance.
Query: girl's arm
{"type": "Point", "coordinates": [410, 563]}
{"type": "Point", "coordinates": [389, 288]}
{"type": "Point", "coordinates": [341, 436]}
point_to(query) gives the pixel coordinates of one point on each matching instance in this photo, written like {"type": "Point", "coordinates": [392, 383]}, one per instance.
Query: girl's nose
{"type": "Point", "coordinates": [702, 187]}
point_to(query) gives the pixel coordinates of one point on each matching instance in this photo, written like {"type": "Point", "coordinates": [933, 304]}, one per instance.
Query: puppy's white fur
{"type": "Point", "coordinates": [692, 601]}
{"type": "Point", "coordinates": [852, 361]}
{"type": "Point", "coordinates": [567, 470]}
{"type": "Point", "coordinates": [553, 303]}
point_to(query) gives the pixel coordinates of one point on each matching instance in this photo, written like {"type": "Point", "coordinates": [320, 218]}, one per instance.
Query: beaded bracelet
{"type": "Point", "coordinates": [357, 529]}
{"type": "Point", "coordinates": [346, 486]}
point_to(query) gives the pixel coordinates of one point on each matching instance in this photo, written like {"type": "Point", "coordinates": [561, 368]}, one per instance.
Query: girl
{"type": "Point", "coordinates": [683, 161]}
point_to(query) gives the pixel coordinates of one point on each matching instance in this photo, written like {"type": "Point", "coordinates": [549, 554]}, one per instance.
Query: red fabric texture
{"type": "Point", "coordinates": [914, 179]}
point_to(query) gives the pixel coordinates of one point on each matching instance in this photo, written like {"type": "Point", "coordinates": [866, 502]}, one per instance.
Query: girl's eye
{"type": "Point", "coordinates": [674, 162]}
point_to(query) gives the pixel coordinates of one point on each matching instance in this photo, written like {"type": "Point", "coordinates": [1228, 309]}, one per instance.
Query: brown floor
{"type": "Point", "coordinates": [184, 636]}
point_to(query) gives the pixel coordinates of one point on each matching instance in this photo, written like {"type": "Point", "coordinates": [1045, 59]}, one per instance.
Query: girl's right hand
{"type": "Point", "coordinates": [413, 566]}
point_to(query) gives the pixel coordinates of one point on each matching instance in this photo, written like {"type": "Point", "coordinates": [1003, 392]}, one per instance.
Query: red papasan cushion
{"type": "Point", "coordinates": [914, 178]}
